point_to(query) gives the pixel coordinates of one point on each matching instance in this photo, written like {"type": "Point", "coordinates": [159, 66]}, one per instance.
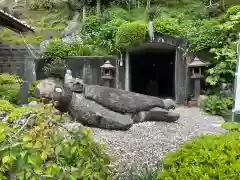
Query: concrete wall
{"type": "Point", "coordinates": [83, 67]}
{"type": "Point", "coordinates": [13, 59]}
{"type": "Point", "coordinates": [88, 67]}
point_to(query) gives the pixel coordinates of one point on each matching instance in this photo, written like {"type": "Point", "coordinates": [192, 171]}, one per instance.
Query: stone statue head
{"type": "Point", "coordinates": [78, 85]}
{"type": "Point", "coordinates": [69, 72]}
{"type": "Point", "coordinates": [62, 96]}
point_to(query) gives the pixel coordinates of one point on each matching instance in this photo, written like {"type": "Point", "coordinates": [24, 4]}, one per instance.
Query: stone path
{"type": "Point", "coordinates": [146, 143]}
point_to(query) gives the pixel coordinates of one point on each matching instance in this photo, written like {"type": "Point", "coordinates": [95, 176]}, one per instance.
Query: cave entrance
{"type": "Point", "coordinates": [152, 71]}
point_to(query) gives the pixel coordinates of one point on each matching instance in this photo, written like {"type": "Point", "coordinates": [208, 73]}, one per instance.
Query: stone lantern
{"type": "Point", "coordinates": [107, 73]}
{"type": "Point", "coordinates": [196, 68]}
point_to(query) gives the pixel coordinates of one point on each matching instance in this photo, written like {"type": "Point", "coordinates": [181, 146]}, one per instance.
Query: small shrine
{"type": "Point", "coordinates": [107, 73]}
{"type": "Point", "coordinates": [196, 69]}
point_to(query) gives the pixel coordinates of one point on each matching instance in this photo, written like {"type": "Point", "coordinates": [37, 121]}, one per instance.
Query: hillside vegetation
{"type": "Point", "coordinates": [109, 27]}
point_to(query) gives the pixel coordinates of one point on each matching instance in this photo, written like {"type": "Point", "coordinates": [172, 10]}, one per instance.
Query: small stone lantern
{"type": "Point", "coordinates": [196, 67]}
{"type": "Point", "coordinates": [107, 73]}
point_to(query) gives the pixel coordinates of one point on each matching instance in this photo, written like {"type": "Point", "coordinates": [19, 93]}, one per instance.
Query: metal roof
{"type": "Point", "coordinates": [197, 63]}
{"type": "Point", "coordinates": [16, 25]}
{"type": "Point", "coordinates": [107, 65]}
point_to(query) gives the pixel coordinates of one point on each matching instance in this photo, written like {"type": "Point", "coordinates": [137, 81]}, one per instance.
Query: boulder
{"type": "Point", "coordinates": [3, 116]}
{"type": "Point", "coordinates": [33, 104]}
{"type": "Point", "coordinates": [156, 114]}
{"type": "Point", "coordinates": [121, 101]}
{"type": "Point", "coordinates": [169, 104]}
{"type": "Point", "coordinates": [91, 113]}
{"type": "Point", "coordinates": [45, 88]}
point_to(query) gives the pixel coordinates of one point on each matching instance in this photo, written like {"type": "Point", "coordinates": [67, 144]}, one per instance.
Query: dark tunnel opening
{"type": "Point", "coordinates": [152, 72]}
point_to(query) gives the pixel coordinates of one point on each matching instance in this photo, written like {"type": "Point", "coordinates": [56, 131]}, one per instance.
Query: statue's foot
{"type": "Point", "coordinates": [156, 114]}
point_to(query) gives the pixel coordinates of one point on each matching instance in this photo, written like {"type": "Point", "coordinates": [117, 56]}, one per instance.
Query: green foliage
{"type": "Point", "coordinates": [91, 24]}
{"type": "Point", "coordinates": [55, 68]}
{"type": "Point", "coordinates": [224, 65]}
{"type": "Point", "coordinates": [207, 157]}
{"type": "Point", "coordinates": [168, 26]}
{"type": "Point", "coordinates": [31, 91]}
{"type": "Point", "coordinates": [231, 126]}
{"type": "Point", "coordinates": [77, 49]}
{"type": "Point", "coordinates": [6, 78]}
{"type": "Point", "coordinates": [6, 106]}
{"type": "Point", "coordinates": [204, 34]}
{"type": "Point", "coordinates": [42, 151]}
{"type": "Point", "coordinates": [55, 53]}
{"type": "Point", "coordinates": [9, 87]}
{"type": "Point", "coordinates": [116, 13]}
{"type": "Point", "coordinates": [17, 112]}
{"type": "Point", "coordinates": [131, 34]}
{"type": "Point", "coordinates": [232, 11]}
{"type": "Point", "coordinates": [217, 105]}
{"type": "Point", "coordinates": [56, 48]}
{"type": "Point", "coordinates": [108, 31]}
{"type": "Point", "coordinates": [42, 4]}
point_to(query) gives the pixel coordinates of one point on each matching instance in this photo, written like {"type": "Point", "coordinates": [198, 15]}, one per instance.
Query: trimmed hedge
{"type": "Point", "coordinates": [131, 34]}
{"type": "Point", "coordinates": [207, 157]}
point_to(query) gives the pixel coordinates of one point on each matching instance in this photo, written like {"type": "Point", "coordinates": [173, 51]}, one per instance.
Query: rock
{"type": "Point", "coordinates": [45, 88]}
{"type": "Point", "coordinates": [227, 90]}
{"type": "Point", "coordinates": [92, 114]}
{"type": "Point", "coordinates": [3, 116]}
{"type": "Point", "coordinates": [121, 101]}
{"type": "Point", "coordinates": [33, 104]}
{"type": "Point", "coordinates": [156, 114]}
{"type": "Point", "coordinates": [169, 104]}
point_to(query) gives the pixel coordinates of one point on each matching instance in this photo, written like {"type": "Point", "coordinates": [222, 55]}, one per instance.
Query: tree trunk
{"type": "Point", "coordinates": [148, 4]}
{"type": "Point", "coordinates": [84, 12]}
{"type": "Point", "coordinates": [99, 8]}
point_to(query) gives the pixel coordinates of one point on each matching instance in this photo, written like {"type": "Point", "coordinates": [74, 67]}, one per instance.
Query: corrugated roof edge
{"type": "Point", "coordinates": [17, 20]}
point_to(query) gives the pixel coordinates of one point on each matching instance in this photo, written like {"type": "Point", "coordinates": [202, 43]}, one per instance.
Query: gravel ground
{"type": "Point", "coordinates": [146, 143]}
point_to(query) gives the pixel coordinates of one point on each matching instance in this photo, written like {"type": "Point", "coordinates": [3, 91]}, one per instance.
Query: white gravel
{"type": "Point", "coordinates": [146, 143]}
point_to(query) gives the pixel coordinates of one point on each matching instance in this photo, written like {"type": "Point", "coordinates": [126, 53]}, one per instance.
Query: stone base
{"type": "Point", "coordinates": [194, 102]}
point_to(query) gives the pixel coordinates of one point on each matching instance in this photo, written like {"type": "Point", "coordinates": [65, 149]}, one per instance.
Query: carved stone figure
{"type": "Point", "coordinates": [110, 108]}
{"type": "Point", "coordinates": [68, 77]}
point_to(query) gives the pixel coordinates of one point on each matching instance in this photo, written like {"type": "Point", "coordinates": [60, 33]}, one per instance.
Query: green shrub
{"type": "Point", "coordinates": [44, 151]}
{"type": "Point", "coordinates": [232, 11]}
{"type": "Point", "coordinates": [168, 26]}
{"type": "Point", "coordinates": [91, 24]}
{"type": "Point", "coordinates": [31, 91]}
{"type": "Point", "coordinates": [6, 78]}
{"type": "Point", "coordinates": [6, 106]}
{"type": "Point", "coordinates": [9, 87]}
{"type": "Point", "coordinates": [108, 31]}
{"type": "Point", "coordinates": [205, 34]}
{"type": "Point", "coordinates": [116, 13]}
{"type": "Point", "coordinates": [77, 49]}
{"type": "Point", "coordinates": [131, 34]}
{"type": "Point", "coordinates": [17, 112]}
{"type": "Point", "coordinates": [56, 48]}
{"type": "Point", "coordinates": [42, 4]}
{"type": "Point", "coordinates": [231, 126]}
{"type": "Point", "coordinates": [207, 157]}
{"type": "Point", "coordinates": [217, 105]}
{"type": "Point", "coordinates": [56, 68]}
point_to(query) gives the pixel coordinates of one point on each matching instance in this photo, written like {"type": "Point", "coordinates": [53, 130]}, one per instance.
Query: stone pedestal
{"type": "Point", "coordinates": [197, 89]}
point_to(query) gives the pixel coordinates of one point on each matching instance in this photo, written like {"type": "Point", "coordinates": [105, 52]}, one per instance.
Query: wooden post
{"type": "Point", "coordinates": [127, 81]}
